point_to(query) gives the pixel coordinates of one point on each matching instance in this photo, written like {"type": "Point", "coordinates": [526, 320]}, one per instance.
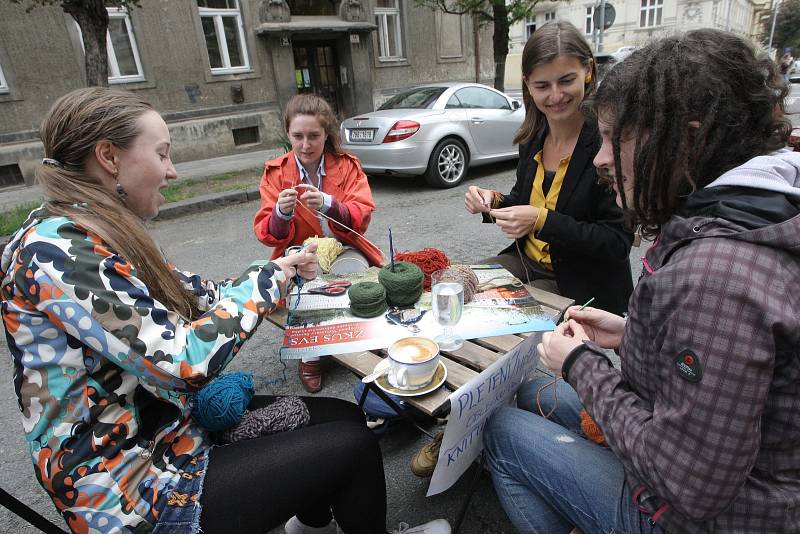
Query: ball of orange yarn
{"type": "Point", "coordinates": [590, 429]}
{"type": "Point", "coordinates": [428, 260]}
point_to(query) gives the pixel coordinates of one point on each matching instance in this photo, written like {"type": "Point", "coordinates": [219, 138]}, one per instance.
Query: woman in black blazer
{"type": "Point", "coordinates": [568, 231]}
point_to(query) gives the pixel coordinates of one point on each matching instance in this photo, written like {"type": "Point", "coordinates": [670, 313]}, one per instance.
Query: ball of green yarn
{"type": "Point", "coordinates": [369, 311]}
{"type": "Point", "coordinates": [367, 299]}
{"type": "Point", "coordinates": [403, 285]}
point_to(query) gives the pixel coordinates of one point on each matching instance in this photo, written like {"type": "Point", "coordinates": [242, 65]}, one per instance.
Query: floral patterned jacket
{"type": "Point", "coordinates": [104, 375]}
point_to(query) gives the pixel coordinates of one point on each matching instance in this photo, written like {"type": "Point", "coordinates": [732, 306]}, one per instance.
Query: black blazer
{"type": "Point", "coordinates": [589, 245]}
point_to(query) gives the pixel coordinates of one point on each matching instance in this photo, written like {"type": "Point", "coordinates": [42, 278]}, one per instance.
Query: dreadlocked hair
{"type": "Point", "coordinates": [697, 105]}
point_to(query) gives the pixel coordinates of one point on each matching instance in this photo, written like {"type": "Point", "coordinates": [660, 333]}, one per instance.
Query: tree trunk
{"type": "Point", "coordinates": [92, 18]}
{"type": "Point", "coordinates": [500, 42]}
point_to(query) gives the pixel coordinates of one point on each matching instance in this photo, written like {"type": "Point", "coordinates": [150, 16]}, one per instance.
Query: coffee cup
{"type": "Point", "coordinates": [413, 362]}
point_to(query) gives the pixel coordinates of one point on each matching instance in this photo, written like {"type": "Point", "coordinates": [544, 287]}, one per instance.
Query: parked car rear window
{"type": "Point", "coordinates": [420, 98]}
{"type": "Point", "coordinates": [477, 98]}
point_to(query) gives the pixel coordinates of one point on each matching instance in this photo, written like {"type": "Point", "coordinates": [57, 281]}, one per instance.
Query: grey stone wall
{"type": "Point", "coordinates": [42, 59]}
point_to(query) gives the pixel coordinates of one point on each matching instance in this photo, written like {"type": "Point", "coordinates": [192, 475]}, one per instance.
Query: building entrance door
{"type": "Point", "coordinates": [316, 69]}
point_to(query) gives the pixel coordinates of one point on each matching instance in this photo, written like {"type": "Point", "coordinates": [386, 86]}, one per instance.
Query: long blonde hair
{"type": "Point", "coordinates": [73, 126]}
{"type": "Point", "coordinates": [316, 106]}
{"type": "Point", "coordinates": [545, 45]}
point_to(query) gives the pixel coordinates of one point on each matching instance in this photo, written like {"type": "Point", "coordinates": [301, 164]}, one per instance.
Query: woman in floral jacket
{"type": "Point", "coordinates": [110, 342]}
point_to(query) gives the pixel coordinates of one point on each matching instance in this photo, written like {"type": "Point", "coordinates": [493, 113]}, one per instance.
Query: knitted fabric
{"type": "Point", "coordinates": [286, 413]}
{"type": "Point", "coordinates": [590, 429]}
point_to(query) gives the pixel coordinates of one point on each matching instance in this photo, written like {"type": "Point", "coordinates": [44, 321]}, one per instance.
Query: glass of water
{"type": "Point", "coordinates": [447, 302]}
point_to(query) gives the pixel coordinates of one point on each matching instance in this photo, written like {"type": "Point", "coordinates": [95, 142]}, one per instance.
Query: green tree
{"type": "Point", "coordinates": [503, 14]}
{"type": "Point", "coordinates": [92, 18]}
{"type": "Point", "coordinates": [787, 27]}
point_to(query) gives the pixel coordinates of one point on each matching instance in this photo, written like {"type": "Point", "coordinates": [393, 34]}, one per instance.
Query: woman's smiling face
{"type": "Point", "coordinates": [558, 87]}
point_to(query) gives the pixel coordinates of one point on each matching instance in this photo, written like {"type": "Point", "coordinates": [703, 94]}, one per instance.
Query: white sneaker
{"type": "Point", "coordinates": [437, 526]}
{"type": "Point", "coordinates": [294, 526]}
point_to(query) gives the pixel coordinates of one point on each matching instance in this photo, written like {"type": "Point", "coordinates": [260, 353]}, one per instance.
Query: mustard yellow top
{"type": "Point", "coordinates": [536, 249]}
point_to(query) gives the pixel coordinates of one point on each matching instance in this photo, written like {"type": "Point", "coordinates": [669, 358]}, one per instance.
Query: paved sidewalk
{"type": "Point", "coordinates": [12, 197]}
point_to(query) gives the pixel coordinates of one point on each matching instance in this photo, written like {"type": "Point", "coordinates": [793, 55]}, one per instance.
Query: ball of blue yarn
{"type": "Point", "coordinates": [221, 404]}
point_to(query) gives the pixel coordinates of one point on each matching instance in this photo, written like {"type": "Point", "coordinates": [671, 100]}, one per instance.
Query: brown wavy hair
{"type": "Point", "coordinates": [73, 126]}
{"type": "Point", "coordinates": [552, 40]}
{"type": "Point", "coordinates": [710, 77]}
{"type": "Point", "coordinates": [316, 106]}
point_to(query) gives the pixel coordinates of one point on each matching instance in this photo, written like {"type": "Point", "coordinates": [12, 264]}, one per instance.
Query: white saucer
{"type": "Point", "coordinates": [438, 379]}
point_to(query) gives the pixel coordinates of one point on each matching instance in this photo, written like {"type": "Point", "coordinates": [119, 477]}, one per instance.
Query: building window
{"type": "Point", "coordinates": [530, 27]}
{"type": "Point", "coordinates": [650, 13]}
{"type": "Point", "coordinates": [387, 17]}
{"type": "Point", "coordinates": [123, 55]}
{"type": "Point", "coordinates": [224, 34]}
{"type": "Point", "coordinates": [549, 16]}
{"type": "Point", "coordinates": [589, 19]}
{"type": "Point", "coordinates": [3, 83]}
{"type": "Point", "coordinates": [314, 8]}
{"type": "Point", "coordinates": [10, 175]}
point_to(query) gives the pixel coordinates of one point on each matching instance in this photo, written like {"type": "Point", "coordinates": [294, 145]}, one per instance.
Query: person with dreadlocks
{"type": "Point", "coordinates": [568, 234]}
{"type": "Point", "coordinates": [701, 421]}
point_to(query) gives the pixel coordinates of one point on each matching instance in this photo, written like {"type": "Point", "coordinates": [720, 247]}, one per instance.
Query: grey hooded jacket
{"type": "Point", "coordinates": [705, 412]}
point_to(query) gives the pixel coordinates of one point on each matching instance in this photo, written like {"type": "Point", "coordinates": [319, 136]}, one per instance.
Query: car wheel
{"type": "Point", "coordinates": [448, 164]}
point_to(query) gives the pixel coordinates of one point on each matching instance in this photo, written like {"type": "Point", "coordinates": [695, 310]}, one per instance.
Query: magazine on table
{"type": "Point", "coordinates": [321, 325]}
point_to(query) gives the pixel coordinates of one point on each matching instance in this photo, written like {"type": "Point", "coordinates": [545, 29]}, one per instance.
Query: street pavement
{"type": "Point", "coordinates": [15, 196]}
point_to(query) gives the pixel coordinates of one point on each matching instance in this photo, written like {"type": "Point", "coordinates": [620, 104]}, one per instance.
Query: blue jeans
{"type": "Point", "coordinates": [548, 477]}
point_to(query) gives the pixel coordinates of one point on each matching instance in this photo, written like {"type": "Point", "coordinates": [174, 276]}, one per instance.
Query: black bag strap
{"type": "Point", "coordinates": [28, 514]}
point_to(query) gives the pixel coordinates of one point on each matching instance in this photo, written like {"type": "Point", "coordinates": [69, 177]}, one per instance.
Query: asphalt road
{"type": "Point", "coordinates": [220, 243]}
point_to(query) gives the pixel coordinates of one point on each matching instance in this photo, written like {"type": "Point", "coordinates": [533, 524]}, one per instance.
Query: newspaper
{"type": "Point", "coordinates": [503, 306]}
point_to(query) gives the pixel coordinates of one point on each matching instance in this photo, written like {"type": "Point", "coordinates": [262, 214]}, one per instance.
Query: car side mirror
{"type": "Point", "coordinates": [515, 105]}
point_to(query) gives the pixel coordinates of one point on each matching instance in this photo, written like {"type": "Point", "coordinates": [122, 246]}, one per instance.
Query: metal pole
{"type": "Point", "coordinates": [602, 25]}
{"type": "Point", "coordinates": [775, 8]}
{"type": "Point", "coordinates": [476, 39]}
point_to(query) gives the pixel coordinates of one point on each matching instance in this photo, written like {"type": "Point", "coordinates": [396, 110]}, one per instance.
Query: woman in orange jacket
{"type": "Point", "coordinates": [316, 190]}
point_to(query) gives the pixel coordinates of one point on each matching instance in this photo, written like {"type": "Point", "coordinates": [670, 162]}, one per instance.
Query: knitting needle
{"type": "Point", "coordinates": [391, 249]}
{"type": "Point", "coordinates": [579, 309]}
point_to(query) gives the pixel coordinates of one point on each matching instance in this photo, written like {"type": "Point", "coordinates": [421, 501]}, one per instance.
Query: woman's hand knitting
{"type": "Point", "coordinates": [478, 200]}
{"type": "Point", "coordinates": [311, 196]}
{"type": "Point", "coordinates": [556, 345]}
{"type": "Point", "coordinates": [602, 327]}
{"type": "Point", "coordinates": [303, 263]}
{"type": "Point", "coordinates": [515, 221]}
{"type": "Point", "coordinates": [286, 201]}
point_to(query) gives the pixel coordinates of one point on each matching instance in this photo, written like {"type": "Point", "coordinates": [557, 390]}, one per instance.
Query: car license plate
{"type": "Point", "coordinates": [363, 135]}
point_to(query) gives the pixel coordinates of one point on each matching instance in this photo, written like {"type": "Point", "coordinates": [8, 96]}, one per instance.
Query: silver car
{"type": "Point", "coordinates": [437, 130]}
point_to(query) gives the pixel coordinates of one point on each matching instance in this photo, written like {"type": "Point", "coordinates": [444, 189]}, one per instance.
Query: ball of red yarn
{"type": "Point", "coordinates": [428, 260]}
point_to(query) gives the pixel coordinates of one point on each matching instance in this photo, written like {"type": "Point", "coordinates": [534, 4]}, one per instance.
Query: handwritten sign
{"type": "Point", "coordinates": [470, 407]}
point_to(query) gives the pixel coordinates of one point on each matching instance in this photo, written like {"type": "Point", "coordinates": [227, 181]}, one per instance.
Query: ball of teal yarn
{"type": "Point", "coordinates": [403, 285]}
{"type": "Point", "coordinates": [222, 403]}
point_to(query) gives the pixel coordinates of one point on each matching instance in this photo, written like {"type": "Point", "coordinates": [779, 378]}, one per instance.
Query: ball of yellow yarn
{"type": "Point", "coordinates": [328, 249]}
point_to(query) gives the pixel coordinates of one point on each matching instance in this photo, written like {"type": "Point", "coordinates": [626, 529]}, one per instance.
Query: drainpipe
{"type": "Point", "coordinates": [476, 37]}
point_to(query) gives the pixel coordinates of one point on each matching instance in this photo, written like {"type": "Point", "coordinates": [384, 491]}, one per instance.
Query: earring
{"type": "Point", "coordinates": [588, 78]}
{"type": "Point", "coordinates": [120, 190]}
